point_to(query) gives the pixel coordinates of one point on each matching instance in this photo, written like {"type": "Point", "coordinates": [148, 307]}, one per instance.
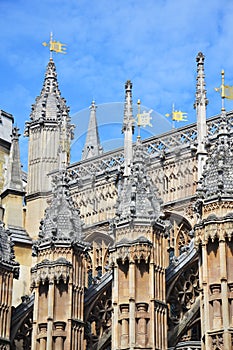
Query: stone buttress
{"type": "Point", "coordinates": [58, 278]}
{"type": "Point", "coordinates": [139, 261]}
{"type": "Point", "coordinates": [213, 235]}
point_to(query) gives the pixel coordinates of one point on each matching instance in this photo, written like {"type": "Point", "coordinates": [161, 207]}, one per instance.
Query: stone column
{"type": "Point", "coordinates": [124, 308]}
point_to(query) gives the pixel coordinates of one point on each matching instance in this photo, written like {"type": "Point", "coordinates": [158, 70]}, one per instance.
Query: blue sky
{"type": "Point", "coordinates": [153, 42]}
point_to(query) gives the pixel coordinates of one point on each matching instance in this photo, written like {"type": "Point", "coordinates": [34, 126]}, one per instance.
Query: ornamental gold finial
{"type": "Point", "coordinates": [55, 46]}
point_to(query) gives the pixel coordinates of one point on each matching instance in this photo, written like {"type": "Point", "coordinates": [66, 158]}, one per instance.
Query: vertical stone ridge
{"type": "Point", "coordinates": [92, 147]}
{"type": "Point", "coordinates": [200, 106]}
{"type": "Point", "coordinates": [128, 127]}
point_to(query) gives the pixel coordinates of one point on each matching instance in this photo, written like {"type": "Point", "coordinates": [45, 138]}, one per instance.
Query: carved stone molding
{"type": "Point", "coordinates": [51, 271]}
{"type": "Point", "coordinates": [214, 227]}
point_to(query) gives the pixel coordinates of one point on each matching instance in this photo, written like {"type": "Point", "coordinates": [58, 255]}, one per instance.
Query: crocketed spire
{"type": "Point", "coordinates": [62, 220]}
{"type": "Point", "coordinates": [217, 179]}
{"type": "Point", "coordinates": [49, 105]}
{"type": "Point", "coordinates": [136, 200]}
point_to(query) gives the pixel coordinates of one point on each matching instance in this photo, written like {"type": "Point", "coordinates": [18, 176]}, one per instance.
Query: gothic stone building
{"type": "Point", "coordinates": [127, 249]}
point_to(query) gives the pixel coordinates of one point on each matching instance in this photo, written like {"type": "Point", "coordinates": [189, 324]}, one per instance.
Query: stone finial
{"type": "Point", "coordinates": [128, 110]}
{"type": "Point", "coordinates": [200, 86]}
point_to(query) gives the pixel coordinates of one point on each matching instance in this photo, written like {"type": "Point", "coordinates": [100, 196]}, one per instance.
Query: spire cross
{"type": "Point", "coordinates": [93, 106]}
{"type": "Point", "coordinates": [50, 45]}
{"type": "Point", "coordinates": [139, 112]}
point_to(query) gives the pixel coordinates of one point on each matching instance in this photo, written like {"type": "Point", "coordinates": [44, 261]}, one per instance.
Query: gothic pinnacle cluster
{"type": "Point", "coordinates": [62, 219]}
{"type": "Point", "coordinates": [217, 178]}
{"type": "Point", "coordinates": [136, 199]}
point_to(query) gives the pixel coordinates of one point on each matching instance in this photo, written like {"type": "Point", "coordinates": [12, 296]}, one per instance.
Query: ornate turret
{"type": "Point", "coordinates": [214, 236]}
{"type": "Point", "coordinates": [139, 261]}
{"type": "Point", "coordinates": [128, 127]}
{"type": "Point", "coordinates": [58, 278]}
{"type": "Point", "coordinates": [49, 133]}
{"type": "Point", "coordinates": [200, 106]}
{"type": "Point", "coordinates": [12, 202]}
{"type": "Point", "coordinates": [92, 147]}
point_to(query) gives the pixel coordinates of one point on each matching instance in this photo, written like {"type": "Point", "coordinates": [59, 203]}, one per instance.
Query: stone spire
{"type": "Point", "coordinates": [128, 127]}
{"type": "Point", "coordinates": [62, 220]}
{"type": "Point", "coordinates": [217, 178]}
{"type": "Point", "coordinates": [49, 132]}
{"type": "Point", "coordinates": [92, 146]}
{"type": "Point", "coordinates": [13, 180]}
{"type": "Point", "coordinates": [200, 106]}
{"type": "Point", "coordinates": [137, 201]}
{"type": "Point", "coordinates": [13, 192]}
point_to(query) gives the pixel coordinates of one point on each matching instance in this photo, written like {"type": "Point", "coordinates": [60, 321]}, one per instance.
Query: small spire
{"type": "Point", "coordinates": [128, 127]}
{"type": "Point", "coordinates": [200, 106]}
{"type": "Point", "coordinates": [14, 172]}
{"type": "Point", "coordinates": [92, 147]}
